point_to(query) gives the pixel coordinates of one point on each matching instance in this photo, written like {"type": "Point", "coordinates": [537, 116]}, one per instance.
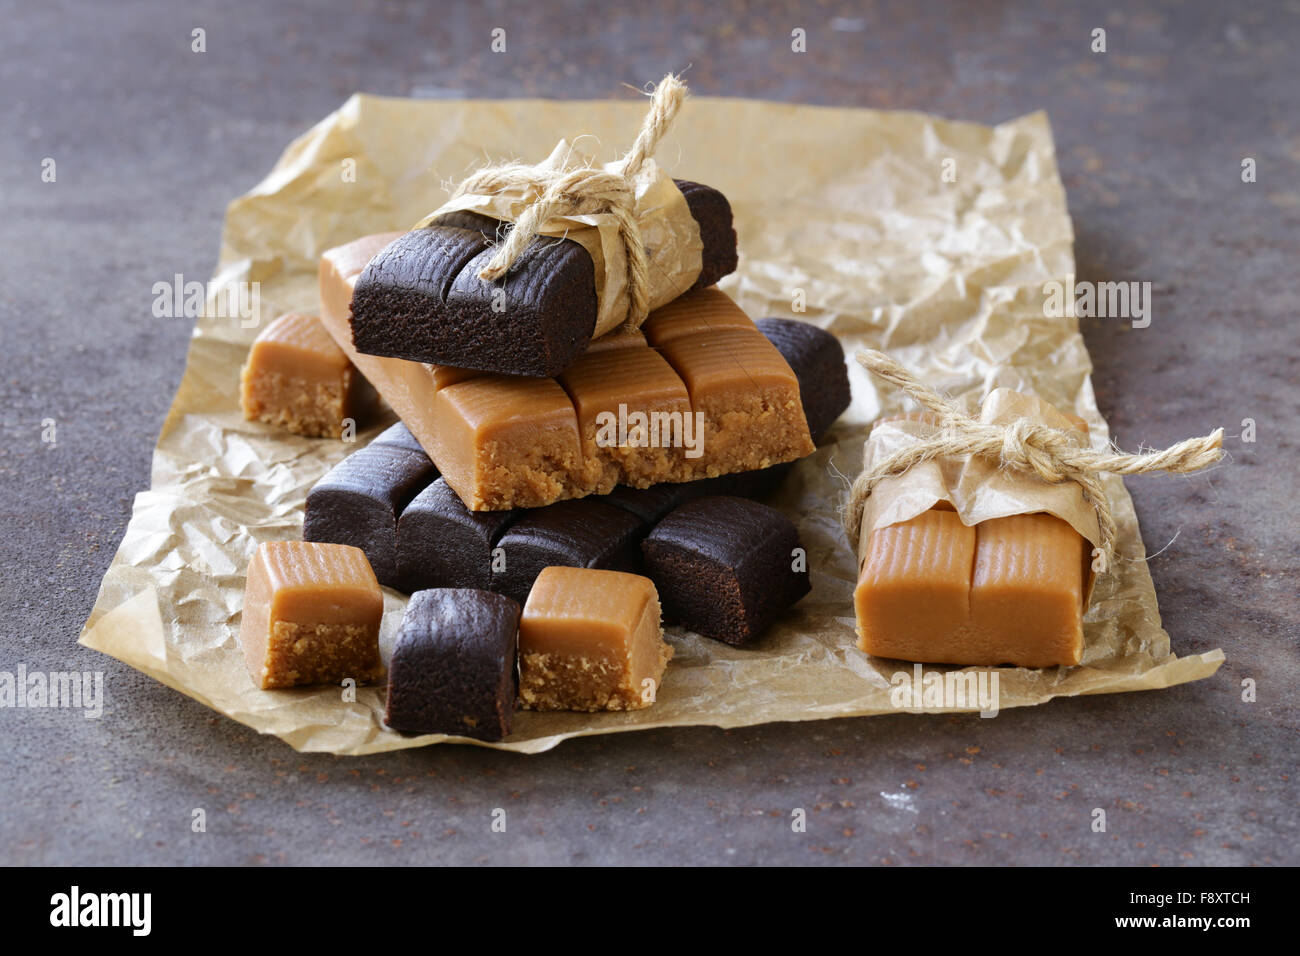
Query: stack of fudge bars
{"type": "Point", "coordinates": [547, 506]}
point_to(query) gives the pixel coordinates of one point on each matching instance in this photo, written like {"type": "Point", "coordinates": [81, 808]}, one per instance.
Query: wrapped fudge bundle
{"type": "Point", "coordinates": [525, 265]}
{"type": "Point", "coordinates": [979, 538]}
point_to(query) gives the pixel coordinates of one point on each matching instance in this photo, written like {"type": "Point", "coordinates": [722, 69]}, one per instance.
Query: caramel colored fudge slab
{"type": "Point", "coordinates": [505, 441]}
{"type": "Point", "coordinates": [1027, 591]}
{"type": "Point", "coordinates": [311, 615]}
{"type": "Point", "coordinates": [753, 416]}
{"type": "Point", "coordinates": [633, 417]}
{"type": "Point", "coordinates": [590, 641]}
{"type": "Point", "coordinates": [1008, 591]}
{"type": "Point", "coordinates": [708, 310]}
{"type": "Point", "coordinates": [298, 378]}
{"type": "Point", "coordinates": [913, 594]}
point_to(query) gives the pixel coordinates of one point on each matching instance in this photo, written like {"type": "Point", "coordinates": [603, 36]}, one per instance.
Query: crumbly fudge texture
{"type": "Point", "coordinates": [591, 640]}
{"type": "Point", "coordinates": [296, 377]}
{"type": "Point", "coordinates": [311, 615]}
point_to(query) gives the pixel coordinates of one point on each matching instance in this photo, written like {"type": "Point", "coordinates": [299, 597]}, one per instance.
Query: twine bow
{"type": "Point", "coordinates": [585, 191]}
{"type": "Point", "coordinates": [1050, 454]}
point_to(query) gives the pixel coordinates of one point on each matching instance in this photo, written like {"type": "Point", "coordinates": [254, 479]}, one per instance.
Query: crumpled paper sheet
{"type": "Point", "coordinates": [844, 209]}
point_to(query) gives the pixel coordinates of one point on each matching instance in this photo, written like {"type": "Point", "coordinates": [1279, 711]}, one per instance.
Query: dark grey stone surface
{"type": "Point", "coordinates": [151, 140]}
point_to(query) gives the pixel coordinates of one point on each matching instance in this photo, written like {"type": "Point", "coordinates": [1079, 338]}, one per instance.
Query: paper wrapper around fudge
{"type": "Point", "coordinates": [857, 224]}
{"type": "Point", "coordinates": [668, 230]}
{"type": "Point", "coordinates": [977, 488]}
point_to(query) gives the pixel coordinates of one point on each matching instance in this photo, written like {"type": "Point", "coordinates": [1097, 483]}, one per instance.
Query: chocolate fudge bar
{"type": "Point", "coordinates": [358, 501]}
{"type": "Point", "coordinates": [453, 665]}
{"type": "Point", "coordinates": [725, 567]}
{"type": "Point", "coordinates": [421, 298]}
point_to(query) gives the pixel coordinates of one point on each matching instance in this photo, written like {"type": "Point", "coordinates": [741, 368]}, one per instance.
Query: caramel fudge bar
{"type": "Point", "coordinates": [311, 615]}
{"type": "Point", "coordinates": [702, 393]}
{"type": "Point", "coordinates": [298, 378]}
{"type": "Point", "coordinates": [1007, 591]}
{"type": "Point", "coordinates": [591, 640]}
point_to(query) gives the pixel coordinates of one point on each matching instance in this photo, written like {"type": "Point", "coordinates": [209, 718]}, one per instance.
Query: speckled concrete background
{"type": "Point", "coordinates": [151, 140]}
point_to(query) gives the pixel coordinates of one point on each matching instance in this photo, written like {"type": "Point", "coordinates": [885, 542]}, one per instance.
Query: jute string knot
{"type": "Point", "coordinates": [1050, 454]}
{"type": "Point", "coordinates": [588, 190]}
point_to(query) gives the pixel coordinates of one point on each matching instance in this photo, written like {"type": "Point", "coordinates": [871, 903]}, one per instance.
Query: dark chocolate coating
{"type": "Point", "coordinates": [453, 665]}
{"type": "Point", "coordinates": [359, 499]}
{"type": "Point", "coordinates": [442, 544]}
{"type": "Point", "coordinates": [579, 533]}
{"type": "Point", "coordinates": [722, 566]}
{"type": "Point", "coordinates": [817, 359]}
{"type": "Point", "coordinates": [394, 295]}
{"type": "Point", "coordinates": [400, 436]}
{"type": "Point", "coordinates": [421, 297]}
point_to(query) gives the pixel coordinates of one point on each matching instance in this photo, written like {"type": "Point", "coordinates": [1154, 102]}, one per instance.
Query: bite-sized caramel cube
{"type": "Point", "coordinates": [504, 441]}
{"type": "Point", "coordinates": [1027, 590]}
{"type": "Point", "coordinates": [590, 641]}
{"type": "Point", "coordinates": [913, 594]}
{"type": "Point", "coordinates": [311, 615]}
{"type": "Point", "coordinates": [298, 378]}
{"type": "Point", "coordinates": [745, 389]}
{"type": "Point", "coordinates": [632, 396]}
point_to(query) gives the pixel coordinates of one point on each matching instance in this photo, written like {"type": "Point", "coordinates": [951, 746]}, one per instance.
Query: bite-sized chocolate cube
{"type": "Point", "coordinates": [442, 544]}
{"type": "Point", "coordinates": [725, 567]}
{"type": "Point", "coordinates": [583, 533]}
{"type": "Point", "coordinates": [453, 665]}
{"type": "Point", "coordinates": [817, 359]}
{"type": "Point", "coordinates": [359, 499]}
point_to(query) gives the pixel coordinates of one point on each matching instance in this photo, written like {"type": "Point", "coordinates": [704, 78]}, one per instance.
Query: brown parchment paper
{"type": "Point", "coordinates": [670, 234]}
{"type": "Point", "coordinates": [844, 210]}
